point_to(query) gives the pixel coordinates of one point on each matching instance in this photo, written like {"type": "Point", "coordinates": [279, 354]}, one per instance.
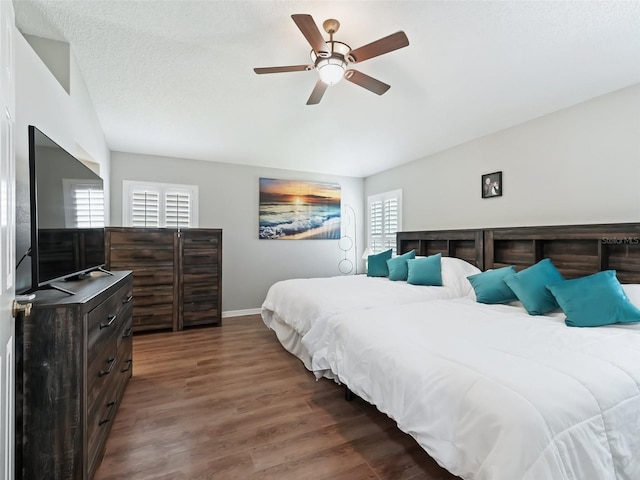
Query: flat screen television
{"type": "Point", "coordinates": [67, 214]}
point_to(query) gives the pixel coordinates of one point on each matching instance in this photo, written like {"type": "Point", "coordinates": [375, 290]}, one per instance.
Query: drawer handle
{"type": "Point", "coordinates": [110, 320]}
{"type": "Point", "coordinates": [107, 420]}
{"type": "Point", "coordinates": [111, 362]}
{"type": "Point", "coordinates": [128, 366]}
{"type": "Point", "coordinates": [127, 333]}
{"type": "Point", "coordinates": [127, 299]}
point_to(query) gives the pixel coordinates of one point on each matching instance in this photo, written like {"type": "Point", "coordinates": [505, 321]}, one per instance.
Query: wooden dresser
{"type": "Point", "coordinates": [177, 274]}
{"type": "Point", "coordinates": [73, 362]}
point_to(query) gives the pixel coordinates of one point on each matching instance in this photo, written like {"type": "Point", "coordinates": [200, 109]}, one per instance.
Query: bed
{"type": "Point", "coordinates": [491, 392]}
{"type": "Point", "coordinates": [292, 307]}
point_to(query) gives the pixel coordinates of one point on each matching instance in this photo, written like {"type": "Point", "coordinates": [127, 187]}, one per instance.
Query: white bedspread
{"type": "Point", "coordinates": [302, 302]}
{"type": "Point", "coordinates": [493, 393]}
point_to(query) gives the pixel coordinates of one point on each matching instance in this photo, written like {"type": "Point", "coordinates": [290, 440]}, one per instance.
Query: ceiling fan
{"type": "Point", "coordinates": [332, 58]}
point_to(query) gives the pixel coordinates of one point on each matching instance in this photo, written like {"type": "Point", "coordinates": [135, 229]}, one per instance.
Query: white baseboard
{"type": "Point", "coordinates": [240, 313]}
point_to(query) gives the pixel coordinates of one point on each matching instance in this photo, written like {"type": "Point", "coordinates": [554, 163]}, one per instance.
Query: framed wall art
{"type": "Point", "coordinates": [299, 210]}
{"type": "Point", "coordinates": [492, 185]}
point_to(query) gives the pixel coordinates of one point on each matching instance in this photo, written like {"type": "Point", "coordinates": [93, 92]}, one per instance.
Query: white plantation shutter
{"type": "Point", "coordinates": [145, 208]}
{"type": "Point", "coordinates": [385, 219]}
{"type": "Point", "coordinates": [88, 206]}
{"type": "Point", "coordinates": [83, 203]}
{"type": "Point", "coordinates": [375, 226]}
{"type": "Point", "coordinates": [177, 207]}
{"type": "Point", "coordinates": [154, 205]}
{"type": "Point", "coordinates": [390, 216]}
{"type": "Point", "coordinates": [375, 218]}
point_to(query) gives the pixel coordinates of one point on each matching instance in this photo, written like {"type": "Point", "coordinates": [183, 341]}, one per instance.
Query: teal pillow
{"type": "Point", "coordinates": [490, 287]}
{"type": "Point", "coordinates": [530, 286]}
{"type": "Point", "coordinates": [594, 300]}
{"type": "Point", "coordinates": [398, 265]}
{"type": "Point", "coordinates": [425, 271]}
{"type": "Point", "coordinates": [377, 264]}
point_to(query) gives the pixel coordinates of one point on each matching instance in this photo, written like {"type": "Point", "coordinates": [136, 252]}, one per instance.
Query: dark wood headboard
{"type": "Point", "coordinates": [576, 250]}
{"type": "Point", "coordinates": [465, 244]}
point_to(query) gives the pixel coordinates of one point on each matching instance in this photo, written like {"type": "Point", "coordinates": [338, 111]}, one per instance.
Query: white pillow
{"type": "Point", "coordinates": [632, 290]}
{"type": "Point", "coordinates": [454, 274]}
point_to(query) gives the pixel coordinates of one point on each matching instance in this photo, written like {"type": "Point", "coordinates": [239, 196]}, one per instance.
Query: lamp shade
{"type": "Point", "coordinates": [331, 70]}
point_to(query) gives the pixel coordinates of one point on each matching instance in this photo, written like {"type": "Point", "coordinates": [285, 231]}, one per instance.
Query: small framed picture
{"type": "Point", "coordinates": [492, 185]}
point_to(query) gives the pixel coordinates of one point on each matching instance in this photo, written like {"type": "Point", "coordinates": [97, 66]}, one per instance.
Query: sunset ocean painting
{"type": "Point", "coordinates": [296, 210]}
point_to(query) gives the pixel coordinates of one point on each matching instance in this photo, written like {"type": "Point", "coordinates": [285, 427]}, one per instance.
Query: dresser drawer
{"type": "Point", "coordinates": [200, 297]}
{"type": "Point", "coordinates": [140, 256]}
{"type": "Point", "coordinates": [125, 349]}
{"type": "Point", "coordinates": [101, 370]}
{"type": "Point", "coordinates": [195, 240]}
{"type": "Point", "coordinates": [208, 316]}
{"type": "Point", "coordinates": [125, 332]}
{"type": "Point", "coordinates": [152, 276]}
{"type": "Point", "coordinates": [98, 427]}
{"type": "Point", "coordinates": [153, 318]}
{"type": "Point", "coordinates": [103, 321]}
{"type": "Point", "coordinates": [110, 386]}
{"type": "Point", "coordinates": [125, 365]}
{"type": "Point", "coordinates": [198, 257]}
{"type": "Point", "coordinates": [127, 239]}
{"type": "Point", "coordinates": [203, 277]}
{"type": "Point", "coordinates": [153, 295]}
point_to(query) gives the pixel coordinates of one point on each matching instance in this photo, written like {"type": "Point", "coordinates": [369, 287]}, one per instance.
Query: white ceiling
{"type": "Point", "coordinates": [175, 78]}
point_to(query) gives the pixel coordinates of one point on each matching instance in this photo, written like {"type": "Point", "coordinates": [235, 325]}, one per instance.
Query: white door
{"type": "Point", "coordinates": [7, 240]}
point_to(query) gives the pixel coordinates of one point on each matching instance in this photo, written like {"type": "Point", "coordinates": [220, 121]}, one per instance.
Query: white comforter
{"type": "Point", "coordinates": [493, 393]}
{"type": "Point", "coordinates": [302, 302]}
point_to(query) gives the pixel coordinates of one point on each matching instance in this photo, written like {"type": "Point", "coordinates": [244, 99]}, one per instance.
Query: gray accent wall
{"type": "Point", "coordinates": [577, 165]}
{"type": "Point", "coordinates": [228, 199]}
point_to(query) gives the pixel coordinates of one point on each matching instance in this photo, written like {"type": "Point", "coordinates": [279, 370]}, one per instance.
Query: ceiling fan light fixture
{"type": "Point", "coordinates": [332, 58]}
{"type": "Point", "coordinates": [331, 70]}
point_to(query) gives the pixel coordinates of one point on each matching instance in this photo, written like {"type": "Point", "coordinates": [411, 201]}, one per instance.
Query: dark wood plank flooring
{"type": "Point", "coordinates": [231, 403]}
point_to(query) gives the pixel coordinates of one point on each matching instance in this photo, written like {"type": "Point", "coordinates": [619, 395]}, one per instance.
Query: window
{"type": "Point", "coordinates": [385, 219]}
{"type": "Point", "coordinates": [153, 205]}
{"type": "Point", "coordinates": [84, 203]}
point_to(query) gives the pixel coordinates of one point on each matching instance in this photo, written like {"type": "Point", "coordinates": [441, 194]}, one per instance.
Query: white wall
{"type": "Point", "coordinates": [68, 119]}
{"type": "Point", "coordinates": [55, 55]}
{"type": "Point", "coordinates": [578, 165]}
{"type": "Point", "coordinates": [228, 199]}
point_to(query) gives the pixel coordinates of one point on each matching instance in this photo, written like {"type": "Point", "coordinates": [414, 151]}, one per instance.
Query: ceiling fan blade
{"type": "Point", "coordinates": [311, 32]}
{"type": "Point", "coordinates": [290, 68]}
{"type": "Point", "coordinates": [318, 92]}
{"type": "Point", "coordinates": [384, 45]}
{"type": "Point", "coordinates": [365, 81]}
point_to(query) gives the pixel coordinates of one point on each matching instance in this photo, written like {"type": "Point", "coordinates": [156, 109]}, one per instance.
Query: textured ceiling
{"type": "Point", "coordinates": [175, 78]}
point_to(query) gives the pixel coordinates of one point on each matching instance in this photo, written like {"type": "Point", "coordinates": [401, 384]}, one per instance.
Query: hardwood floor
{"type": "Point", "coordinates": [231, 403]}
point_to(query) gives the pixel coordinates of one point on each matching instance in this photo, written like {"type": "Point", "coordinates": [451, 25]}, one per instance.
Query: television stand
{"type": "Point", "coordinates": [73, 363]}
